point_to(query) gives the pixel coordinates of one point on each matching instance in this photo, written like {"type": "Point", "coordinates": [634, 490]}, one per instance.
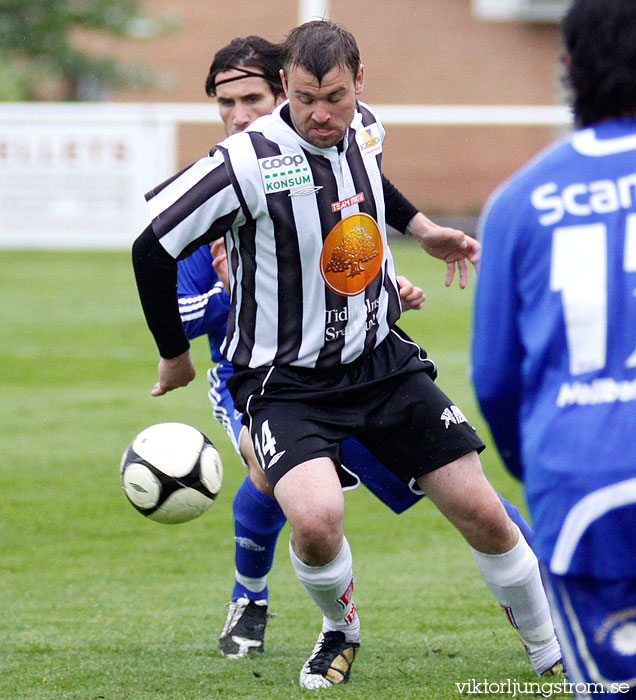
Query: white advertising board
{"type": "Point", "coordinates": [75, 175]}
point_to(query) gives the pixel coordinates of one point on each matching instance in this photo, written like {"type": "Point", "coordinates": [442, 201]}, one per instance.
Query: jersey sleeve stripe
{"type": "Point", "coordinates": [218, 229]}
{"type": "Point", "coordinates": [234, 180]}
{"type": "Point", "coordinates": [207, 194]}
{"type": "Point", "coordinates": [158, 188]}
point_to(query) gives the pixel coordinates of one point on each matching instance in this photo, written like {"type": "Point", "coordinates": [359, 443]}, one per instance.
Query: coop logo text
{"type": "Point", "coordinates": [344, 203]}
{"type": "Point", "coordinates": [285, 172]}
{"type": "Point", "coordinates": [281, 161]}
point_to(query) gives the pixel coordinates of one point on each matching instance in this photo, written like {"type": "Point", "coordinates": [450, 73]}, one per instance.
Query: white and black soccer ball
{"type": "Point", "coordinates": [171, 472]}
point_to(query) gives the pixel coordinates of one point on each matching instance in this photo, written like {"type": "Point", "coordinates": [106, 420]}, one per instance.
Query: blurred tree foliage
{"type": "Point", "coordinates": [41, 58]}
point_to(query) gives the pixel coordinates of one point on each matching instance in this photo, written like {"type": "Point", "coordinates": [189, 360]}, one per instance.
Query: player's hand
{"type": "Point", "coordinates": [219, 262]}
{"type": "Point", "coordinates": [452, 246]}
{"type": "Point", "coordinates": [174, 373]}
{"type": "Point", "coordinates": [411, 297]}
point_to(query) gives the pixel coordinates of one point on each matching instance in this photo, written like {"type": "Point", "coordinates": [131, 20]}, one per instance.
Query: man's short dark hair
{"type": "Point", "coordinates": [250, 52]}
{"type": "Point", "coordinates": [319, 46]}
{"type": "Point", "coordinates": [600, 40]}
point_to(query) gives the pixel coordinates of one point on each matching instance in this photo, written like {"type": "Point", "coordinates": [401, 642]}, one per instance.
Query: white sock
{"type": "Point", "coordinates": [331, 588]}
{"type": "Point", "coordinates": [514, 579]}
{"type": "Point", "coordinates": [254, 585]}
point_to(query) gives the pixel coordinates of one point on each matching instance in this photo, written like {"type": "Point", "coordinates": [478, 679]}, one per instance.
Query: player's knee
{"type": "Point", "coordinates": [317, 537]}
{"type": "Point", "coordinates": [312, 527]}
{"type": "Point", "coordinates": [487, 527]}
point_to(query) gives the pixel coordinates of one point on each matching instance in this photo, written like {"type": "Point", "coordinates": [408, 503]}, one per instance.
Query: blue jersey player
{"type": "Point", "coordinates": [554, 350]}
{"type": "Point", "coordinates": [245, 80]}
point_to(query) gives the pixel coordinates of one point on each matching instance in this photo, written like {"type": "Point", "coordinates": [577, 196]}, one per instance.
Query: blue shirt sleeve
{"type": "Point", "coordinates": [203, 302]}
{"type": "Point", "coordinates": [497, 353]}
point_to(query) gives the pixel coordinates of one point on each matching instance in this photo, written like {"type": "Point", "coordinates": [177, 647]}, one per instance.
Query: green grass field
{"type": "Point", "coordinates": [99, 603]}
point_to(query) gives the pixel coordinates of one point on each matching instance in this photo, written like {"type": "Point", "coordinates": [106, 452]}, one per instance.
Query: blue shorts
{"type": "Point", "coordinates": [595, 621]}
{"type": "Point", "coordinates": [223, 403]}
{"type": "Point", "coordinates": [356, 459]}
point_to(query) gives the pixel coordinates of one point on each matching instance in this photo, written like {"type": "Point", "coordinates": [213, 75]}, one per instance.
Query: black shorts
{"type": "Point", "coordinates": [387, 400]}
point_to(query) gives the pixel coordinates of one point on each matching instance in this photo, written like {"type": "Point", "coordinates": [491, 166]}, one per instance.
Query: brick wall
{"type": "Point", "coordinates": [414, 51]}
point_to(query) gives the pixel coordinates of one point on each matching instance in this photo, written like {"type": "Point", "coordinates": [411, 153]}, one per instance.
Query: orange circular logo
{"type": "Point", "coordinates": [352, 255]}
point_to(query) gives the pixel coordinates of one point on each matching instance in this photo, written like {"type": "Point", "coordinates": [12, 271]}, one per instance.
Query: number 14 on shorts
{"type": "Point", "coordinates": [265, 447]}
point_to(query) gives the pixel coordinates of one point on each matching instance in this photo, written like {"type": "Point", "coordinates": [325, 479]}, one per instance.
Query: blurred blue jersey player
{"type": "Point", "coordinates": [245, 80]}
{"type": "Point", "coordinates": [554, 351]}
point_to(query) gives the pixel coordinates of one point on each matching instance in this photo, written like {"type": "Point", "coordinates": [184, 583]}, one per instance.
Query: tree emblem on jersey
{"type": "Point", "coordinates": [357, 247]}
{"type": "Point", "coordinates": [352, 254]}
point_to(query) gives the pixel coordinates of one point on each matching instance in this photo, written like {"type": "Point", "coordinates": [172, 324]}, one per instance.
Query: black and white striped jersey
{"type": "Point", "coordinates": [312, 277]}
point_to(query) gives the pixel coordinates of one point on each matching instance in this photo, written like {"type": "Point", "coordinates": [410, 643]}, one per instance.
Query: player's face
{"type": "Point", "coordinates": [322, 112]}
{"type": "Point", "coordinates": [243, 101]}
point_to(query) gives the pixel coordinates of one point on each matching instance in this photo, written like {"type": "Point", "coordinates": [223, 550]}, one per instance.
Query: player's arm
{"type": "Point", "coordinates": [399, 210]}
{"type": "Point", "coordinates": [187, 211]}
{"type": "Point", "coordinates": [156, 276]}
{"type": "Point", "coordinates": [452, 246]}
{"type": "Point", "coordinates": [497, 352]}
{"type": "Point", "coordinates": [203, 302]}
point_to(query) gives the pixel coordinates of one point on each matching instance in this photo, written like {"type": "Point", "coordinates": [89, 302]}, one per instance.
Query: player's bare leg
{"type": "Point", "coordinates": [465, 497]}
{"type": "Point", "coordinates": [257, 475]}
{"type": "Point", "coordinates": [312, 499]}
{"type": "Point", "coordinates": [507, 564]}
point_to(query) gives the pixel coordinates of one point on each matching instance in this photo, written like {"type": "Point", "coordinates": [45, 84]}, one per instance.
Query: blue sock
{"type": "Point", "coordinates": [258, 520]}
{"type": "Point", "coordinates": [515, 515]}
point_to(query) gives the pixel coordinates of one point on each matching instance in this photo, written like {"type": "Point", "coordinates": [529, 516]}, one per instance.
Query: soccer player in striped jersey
{"type": "Point", "coordinates": [311, 333]}
{"type": "Point", "coordinates": [245, 79]}
{"type": "Point", "coordinates": [554, 348]}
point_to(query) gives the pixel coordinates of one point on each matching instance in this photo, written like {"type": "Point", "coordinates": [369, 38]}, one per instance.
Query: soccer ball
{"type": "Point", "coordinates": [171, 472]}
